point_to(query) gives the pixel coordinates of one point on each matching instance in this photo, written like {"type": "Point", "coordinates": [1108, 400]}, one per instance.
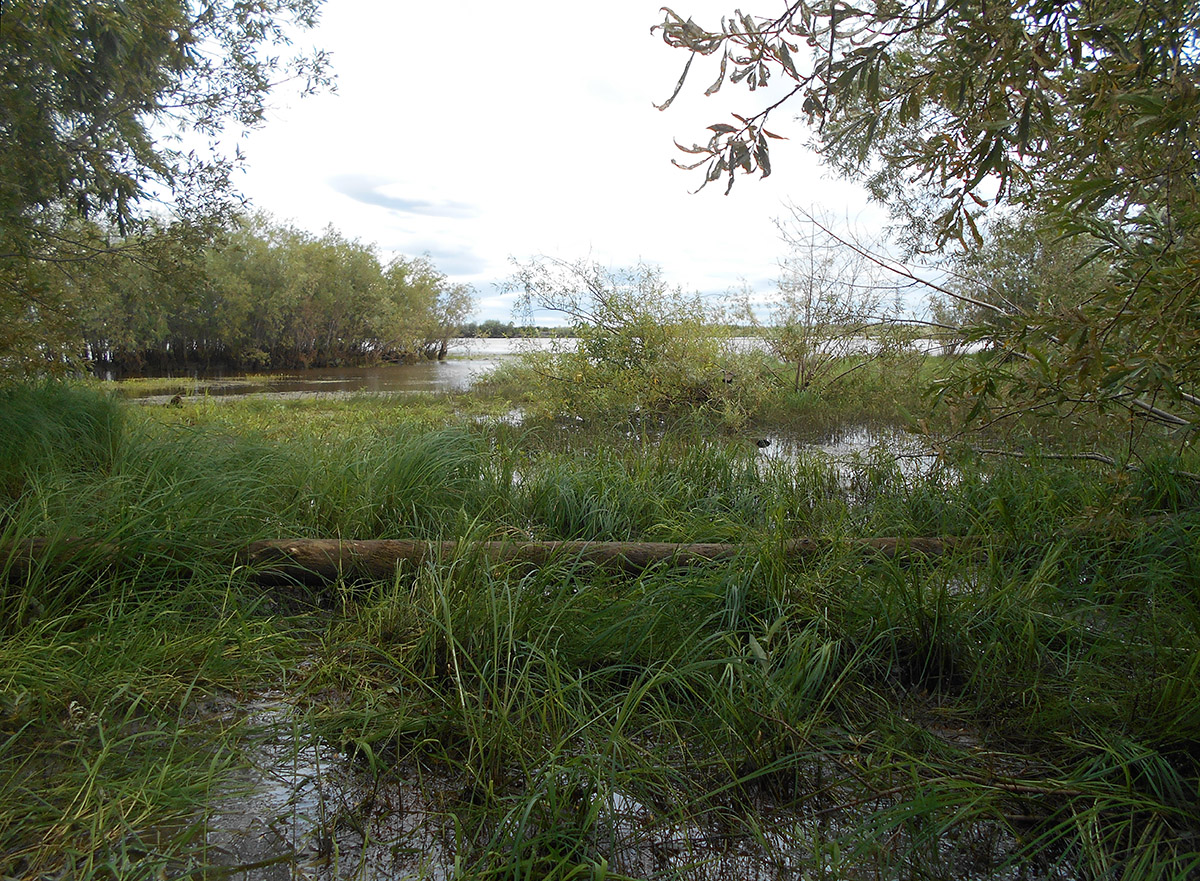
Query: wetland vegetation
{"type": "Point", "coordinates": [1026, 707]}
{"type": "Point", "coordinates": [1024, 704]}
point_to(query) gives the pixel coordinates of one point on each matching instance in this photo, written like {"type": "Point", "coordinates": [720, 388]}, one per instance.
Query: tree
{"type": "Point", "coordinates": [264, 295]}
{"type": "Point", "coordinates": [1084, 113]}
{"type": "Point", "coordinates": [641, 347]}
{"type": "Point", "coordinates": [972, 98]}
{"type": "Point", "coordinates": [1023, 267]}
{"type": "Point", "coordinates": [422, 309]}
{"type": "Point", "coordinates": [831, 300]}
{"type": "Point", "coordinates": [129, 303]}
{"type": "Point", "coordinates": [99, 102]}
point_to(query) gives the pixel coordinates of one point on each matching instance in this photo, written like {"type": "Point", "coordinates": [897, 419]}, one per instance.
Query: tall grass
{"type": "Point", "coordinates": [1031, 701]}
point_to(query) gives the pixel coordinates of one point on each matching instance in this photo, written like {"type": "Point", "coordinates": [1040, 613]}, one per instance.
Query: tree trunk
{"type": "Point", "coordinates": [325, 559]}
{"type": "Point", "coordinates": [317, 560]}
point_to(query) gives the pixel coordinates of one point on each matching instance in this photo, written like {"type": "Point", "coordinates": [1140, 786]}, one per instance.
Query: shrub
{"type": "Point", "coordinates": [642, 348]}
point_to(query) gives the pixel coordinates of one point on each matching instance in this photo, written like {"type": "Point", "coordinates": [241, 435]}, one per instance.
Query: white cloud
{"type": "Point", "coordinates": [480, 132]}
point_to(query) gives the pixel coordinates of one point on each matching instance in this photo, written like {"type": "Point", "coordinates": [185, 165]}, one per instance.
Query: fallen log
{"type": "Point", "coordinates": [326, 559]}
{"type": "Point", "coordinates": [317, 560]}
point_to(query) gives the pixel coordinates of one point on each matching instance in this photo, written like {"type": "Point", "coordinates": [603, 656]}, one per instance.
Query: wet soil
{"type": "Point", "coordinates": [300, 809]}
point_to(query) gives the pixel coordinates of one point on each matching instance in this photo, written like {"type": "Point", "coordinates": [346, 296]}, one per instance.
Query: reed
{"type": "Point", "coordinates": [1033, 703]}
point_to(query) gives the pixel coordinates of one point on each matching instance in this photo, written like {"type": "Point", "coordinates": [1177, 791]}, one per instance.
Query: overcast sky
{"type": "Point", "coordinates": [482, 133]}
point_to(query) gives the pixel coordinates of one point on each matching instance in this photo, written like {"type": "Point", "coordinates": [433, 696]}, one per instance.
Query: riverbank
{"type": "Point", "coordinates": [1025, 708]}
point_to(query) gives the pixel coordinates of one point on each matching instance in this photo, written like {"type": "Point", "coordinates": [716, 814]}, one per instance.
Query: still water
{"type": "Point", "coordinates": [468, 360]}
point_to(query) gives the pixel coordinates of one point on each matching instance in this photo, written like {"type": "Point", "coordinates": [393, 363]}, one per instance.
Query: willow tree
{"type": "Point", "coordinates": [1083, 113]}
{"type": "Point", "coordinates": [420, 310]}
{"type": "Point", "coordinates": [103, 106]}
{"type": "Point", "coordinates": [643, 348]}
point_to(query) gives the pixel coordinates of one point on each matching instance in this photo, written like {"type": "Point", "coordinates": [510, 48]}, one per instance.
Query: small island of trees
{"type": "Point", "coordinates": [264, 295]}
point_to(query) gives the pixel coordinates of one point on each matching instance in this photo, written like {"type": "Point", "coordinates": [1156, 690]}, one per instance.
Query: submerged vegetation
{"type": "Point", "coordinates": [1025, 706]}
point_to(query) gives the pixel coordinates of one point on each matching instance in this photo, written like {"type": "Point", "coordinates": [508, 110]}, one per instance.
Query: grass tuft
{"type": "Point", "coordinates": [1028, 702]}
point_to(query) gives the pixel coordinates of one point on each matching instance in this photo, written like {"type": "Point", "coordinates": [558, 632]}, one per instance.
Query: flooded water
{"type": "Point", "coordinates": [851, 448]}
{"type": "Point", "coordinates": [468, 359]}
{"type": "Point", "coordinates": [300, 809]}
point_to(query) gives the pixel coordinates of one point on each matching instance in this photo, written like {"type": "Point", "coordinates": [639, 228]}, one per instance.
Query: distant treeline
{"type": "Point", "coordinates": [493, 329]}
{"type": "Point", "coordinates": [266, 296]}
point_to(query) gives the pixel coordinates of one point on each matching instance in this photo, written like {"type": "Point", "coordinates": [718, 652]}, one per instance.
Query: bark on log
{"type": "Point", "coordinates": [326, 559]}
{"type": "Point", "coordinates": [24, 557]}
{"type": "Point", "coordinates": [318, 560]}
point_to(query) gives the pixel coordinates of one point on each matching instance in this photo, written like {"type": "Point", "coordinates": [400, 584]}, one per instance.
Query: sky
{"type": "Point", "coordinates": [488, 134]}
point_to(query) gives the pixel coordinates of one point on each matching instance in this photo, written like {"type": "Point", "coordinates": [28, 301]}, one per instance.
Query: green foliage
{"type": "Point", "coordinates": [830, 318]}
{"type": "Point", "coordinates": [1024, 267]}
{"type": "Point", "coordinates": [93, 96]}
{"type": "Point", "coordinates": [85, 85]}
{"type": "Point", "coordinates": [1082, 113]}
{"type": "Point", "coordinates": [421, 310]}
{"type": "Point", "coordinates": [55, 427]}
{"type": "Point", "coordinates": [573, 722]}
{"type": "Point", "coordinates": [264, 295]}
{"type": "Point", "coordinates": [642, 349]}
{"type": "Point", "coordinates": [1093, 103]}
{"type": "Point", "coordinates": [493, 329]}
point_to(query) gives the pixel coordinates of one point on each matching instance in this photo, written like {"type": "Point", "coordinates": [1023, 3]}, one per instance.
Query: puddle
{"type": "Point", "coordinates": [301, 810]}
{"type": "Point", "coordinates": [718, 846]}
{"type": "Point", "coordinates": [860, 456]}
{"type": "Point", "coordinates": [269, 821]}
{"type": "Point", "coordinates": [513, 417]}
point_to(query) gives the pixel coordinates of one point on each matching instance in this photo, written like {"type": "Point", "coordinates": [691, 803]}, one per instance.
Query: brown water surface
{"type": "Point", "coordinates": [468, 360]}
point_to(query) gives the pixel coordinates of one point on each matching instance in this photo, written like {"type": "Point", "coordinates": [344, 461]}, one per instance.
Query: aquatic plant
{"type": "Point", "coordinates": [1028, 699]}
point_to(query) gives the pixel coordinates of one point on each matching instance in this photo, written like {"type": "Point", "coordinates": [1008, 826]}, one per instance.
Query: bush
{"type": "Point", "coordinates": [642, 349]}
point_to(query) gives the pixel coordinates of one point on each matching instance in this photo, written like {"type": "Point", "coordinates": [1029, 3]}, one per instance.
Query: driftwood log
{"type": "Point", "coordinates": [325, 559]}
{"type": "Point", "coordinates": [318, 560]}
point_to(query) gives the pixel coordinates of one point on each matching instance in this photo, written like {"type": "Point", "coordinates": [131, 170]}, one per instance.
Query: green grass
{"type": "Point", "coordinates": [738, 390]}
{"type": "Point", "coordinates": [1031, 701]}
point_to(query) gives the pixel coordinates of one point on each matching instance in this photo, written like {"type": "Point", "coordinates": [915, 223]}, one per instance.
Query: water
{"type": "Point", "coordinates": [468, 360]}
{"type": "Point", "coordinates": [302, 810]}
{"type": "Point", "coordinates": [852, 448]}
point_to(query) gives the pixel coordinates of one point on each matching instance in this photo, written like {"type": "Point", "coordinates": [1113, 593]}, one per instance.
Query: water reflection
{"type": "Point", "coordinates": [303, 810]}
{"type": "Point", "coordinates": [853, 448]}
{"type": "Point", "coordinates": [469, 359]}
